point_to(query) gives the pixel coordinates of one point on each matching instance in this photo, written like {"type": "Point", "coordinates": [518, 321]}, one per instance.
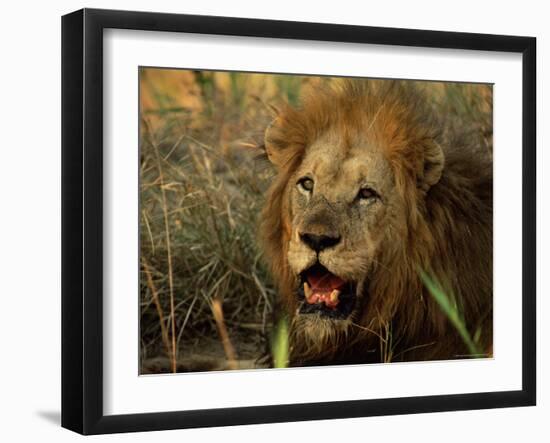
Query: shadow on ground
{"type": "Point", "coordinates": [54, 417]}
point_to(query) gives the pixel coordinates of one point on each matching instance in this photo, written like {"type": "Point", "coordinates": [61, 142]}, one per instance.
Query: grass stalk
{"type": "Point", "coordinates": [228, 348]}
{"type": "Point", "coordinates": [169, 257]}
{"type": "Point", "coordinates": [160, 312]}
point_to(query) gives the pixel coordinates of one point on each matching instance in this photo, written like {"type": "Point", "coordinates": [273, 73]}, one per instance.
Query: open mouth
{"type": "Point", "coordinates": [324, 293]}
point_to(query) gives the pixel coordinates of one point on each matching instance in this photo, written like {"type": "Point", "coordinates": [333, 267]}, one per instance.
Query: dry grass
{"type": "Point", "coordinates": [200, 196]}
{"type": "Point", "coordinates": [201, 192]}
{"type": "Point", "coordinates": [228, 348]}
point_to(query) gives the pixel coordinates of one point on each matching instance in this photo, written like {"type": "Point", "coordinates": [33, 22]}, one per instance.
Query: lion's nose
{"type": "Point", "coordinates": [319, 242]}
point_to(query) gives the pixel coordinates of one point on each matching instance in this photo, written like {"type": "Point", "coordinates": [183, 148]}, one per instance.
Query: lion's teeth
{"type": "Point", "coordinates": [334, 296]}
{"type": "Point", "coordinates": [307, 291]}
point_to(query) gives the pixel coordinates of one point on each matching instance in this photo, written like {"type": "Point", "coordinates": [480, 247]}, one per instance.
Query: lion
{"type": "Point", "coordinates": [374, 190]}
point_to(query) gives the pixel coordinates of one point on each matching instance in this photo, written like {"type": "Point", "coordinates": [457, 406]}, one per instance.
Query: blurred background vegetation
{"type": "Point", "coordinates": [206, 300]}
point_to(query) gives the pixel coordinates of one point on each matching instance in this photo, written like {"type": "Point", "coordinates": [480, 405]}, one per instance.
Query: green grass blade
{"type": "Point", "coordinates": [451, 312]}
{"type": "Point", "coordinates": [280, 344]}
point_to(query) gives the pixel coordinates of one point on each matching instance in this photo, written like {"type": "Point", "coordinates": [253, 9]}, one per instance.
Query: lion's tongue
{"type": "Point", "coordinates": [320, 281]}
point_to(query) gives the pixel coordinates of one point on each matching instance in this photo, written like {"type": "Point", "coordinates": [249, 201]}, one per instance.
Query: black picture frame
{"type": "Point", "coordinates": [82, 219]}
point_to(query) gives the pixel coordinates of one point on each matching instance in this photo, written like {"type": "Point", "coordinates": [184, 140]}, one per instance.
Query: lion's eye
{"type": "Point", "coordinates": [367, 193]}
{"type": "Point", "coordinates": [306, 184]}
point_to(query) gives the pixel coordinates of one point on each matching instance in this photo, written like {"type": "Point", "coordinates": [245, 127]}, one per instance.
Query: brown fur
{"type": "Point", "coordinates": [439, 220]}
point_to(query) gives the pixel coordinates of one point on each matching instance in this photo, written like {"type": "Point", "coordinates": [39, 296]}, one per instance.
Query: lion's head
{"type": "Point", "coordinates": [345, 222]}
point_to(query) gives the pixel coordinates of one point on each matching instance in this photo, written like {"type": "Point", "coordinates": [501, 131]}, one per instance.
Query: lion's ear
{"type": "Point", "coordinates": [276, 147]}
{"type": "Point", "coordinates": [434, 162]}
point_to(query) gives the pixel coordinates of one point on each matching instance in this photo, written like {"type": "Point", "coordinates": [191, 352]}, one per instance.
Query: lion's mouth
{"type": "Point", "coordinates": [325, 293]}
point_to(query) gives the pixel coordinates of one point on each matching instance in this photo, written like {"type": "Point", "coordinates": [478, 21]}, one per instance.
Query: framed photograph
{"type": "Point", "coordinates": [270, 221]}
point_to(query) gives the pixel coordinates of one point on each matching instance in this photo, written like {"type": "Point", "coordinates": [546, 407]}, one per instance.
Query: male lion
{"type": "Point", "coordinates": [373, 192]}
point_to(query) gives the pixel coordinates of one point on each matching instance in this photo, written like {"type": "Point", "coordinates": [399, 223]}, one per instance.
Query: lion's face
{"type": "Point", "coordinates": [354, 165]}
{"type": "Point", "coordinates": [341, 200]}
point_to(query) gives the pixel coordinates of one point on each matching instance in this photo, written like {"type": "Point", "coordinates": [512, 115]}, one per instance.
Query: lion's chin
{"type": "Point", "coordinates": [316, 336]}
{"type": "Point", "coordinates": [325, 295]}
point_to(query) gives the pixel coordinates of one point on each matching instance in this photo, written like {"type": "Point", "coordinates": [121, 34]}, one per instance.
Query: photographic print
{"type": "Point", "coordinates": [241, 217]}
{"type": "Point", "coordinates": [293, 220]}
